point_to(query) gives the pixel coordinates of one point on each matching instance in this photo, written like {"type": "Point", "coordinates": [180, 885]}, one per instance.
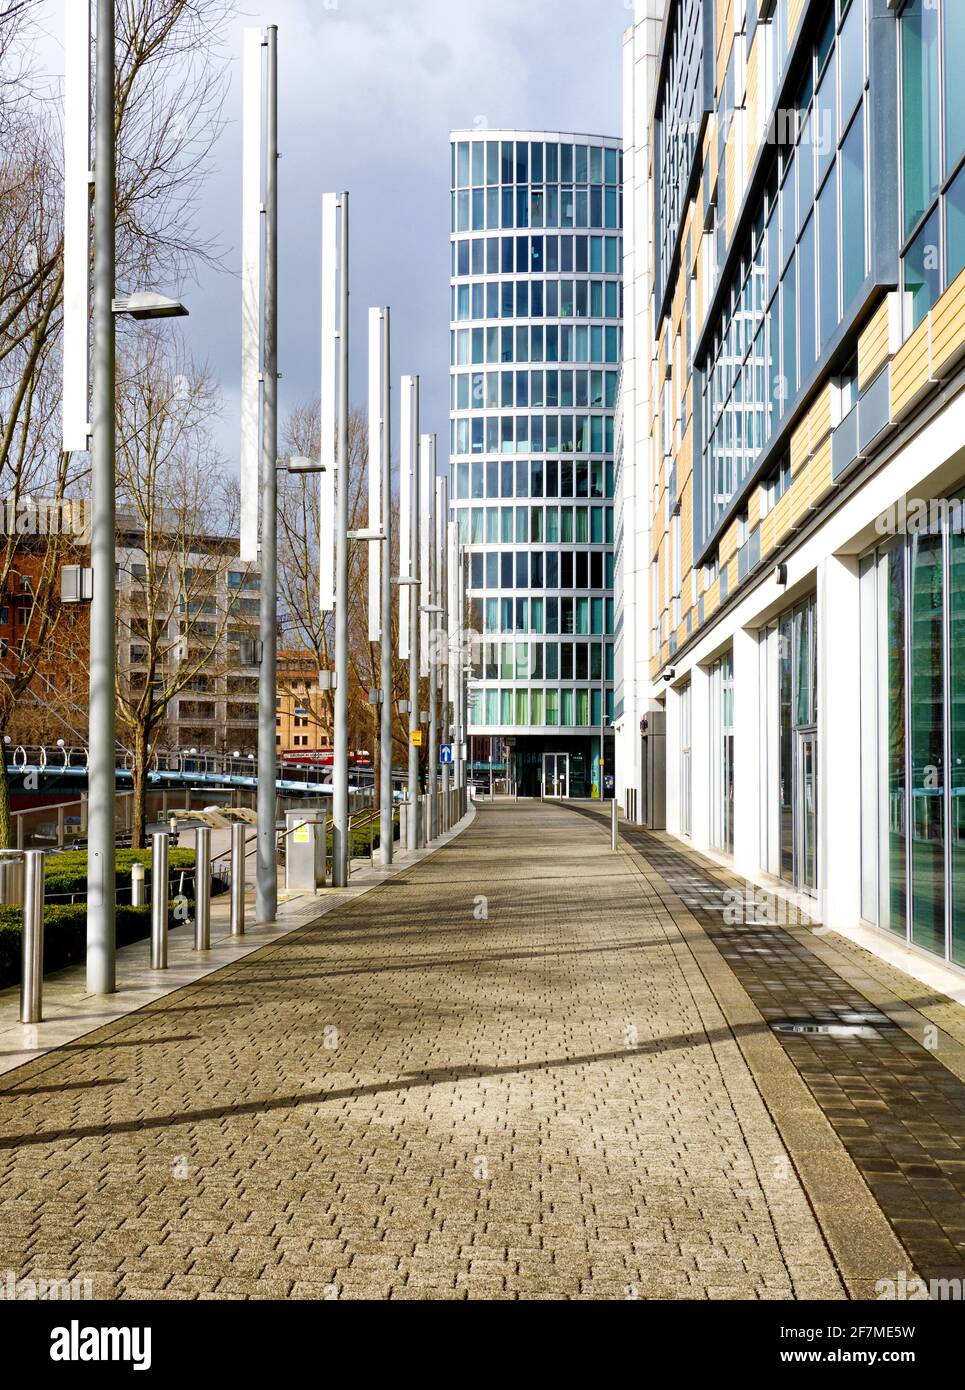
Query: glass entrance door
{"type": "Point", "coordinates": [556, 774]}
{"type": "Point", "coordinates": [806, 819]}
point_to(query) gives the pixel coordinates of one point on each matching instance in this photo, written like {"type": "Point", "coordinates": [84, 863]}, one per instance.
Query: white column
{"type": "Point", "coordinates": [839, 740]}
{"type": "Point", "coordinates": [700, 755]}
{"type": "Point", "coordinates": [747, 753]}
{"type": "Point", "coordinates": [673, 761]}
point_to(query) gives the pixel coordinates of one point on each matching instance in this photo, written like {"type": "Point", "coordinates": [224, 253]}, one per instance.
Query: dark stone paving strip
{"type": "Point", "coordinates": [897, 1110]}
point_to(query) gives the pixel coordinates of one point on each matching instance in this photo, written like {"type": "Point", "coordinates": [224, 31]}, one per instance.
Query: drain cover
{"type": "Point", "coordinates": [828, 1030]}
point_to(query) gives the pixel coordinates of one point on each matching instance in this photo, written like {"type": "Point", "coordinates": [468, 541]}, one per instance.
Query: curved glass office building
{"type": "Point", "coordinates": [536, 305]}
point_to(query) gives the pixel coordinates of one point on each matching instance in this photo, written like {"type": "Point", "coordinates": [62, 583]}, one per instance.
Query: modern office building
{"type": "Point", "coordinates": [536, 258]}
{"type": "Point", "coordinates": [801, 368]}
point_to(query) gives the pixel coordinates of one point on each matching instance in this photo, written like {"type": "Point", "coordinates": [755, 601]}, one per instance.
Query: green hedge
{"type": "Point", "coordinates": [67, 873]}
{"type": "Point", "coordinates": [65, 935]}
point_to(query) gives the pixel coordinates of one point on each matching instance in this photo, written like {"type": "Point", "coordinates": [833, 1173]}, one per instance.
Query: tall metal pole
{"type": "Point", "coordinates": [385, 785]}
{"type": "Point", "coordinates": [101, 895]}
{"type": "Point", "coordinates": [340, 810]}
{"type": "Point", "coordinates": [430, 588]}
{"type": "Point", "coordinates": [442, 543]}
{"type": "Point", "coordinates": [266, 882]}
{"type": "Point", "coordinates": [412, 820]}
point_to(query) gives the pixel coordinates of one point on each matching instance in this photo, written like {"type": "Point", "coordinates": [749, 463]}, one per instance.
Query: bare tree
{"type": "Point", "coordinates": [174, 609]}
{"type": "Point", "coordinates": [302, 622]}
{"type": "Point", "coordinates": [170, 86]}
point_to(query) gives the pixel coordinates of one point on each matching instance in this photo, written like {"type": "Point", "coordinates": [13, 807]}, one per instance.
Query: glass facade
{"type": "Point", "coordinates": [913, 733]}
{"type": "Point", "coordinates": [534, 366]}
{"type": "Point", "coordinates": [804, 261]}
{"type": "Point", "coordinates": [790, 746]}
{"type": "Point", "coordinates": [722, 754]}
{"type": "Point", "coordinates": [932, 131]}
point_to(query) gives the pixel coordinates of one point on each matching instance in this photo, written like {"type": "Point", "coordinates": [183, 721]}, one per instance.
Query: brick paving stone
{"type": "Point", "coordinates": [499, 1075]}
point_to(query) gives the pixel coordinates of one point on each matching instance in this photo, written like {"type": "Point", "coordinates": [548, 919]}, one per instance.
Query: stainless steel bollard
{"type": "Point", "coordinates": [32, 968]}
{"type": "Point", "coordinates": [238, 879]}
{"type": "Point", "coordinates": [137, 885]}
{"type": "Point", "coordinates": [159, 900]}
{"type": "Point", "coordinates": [614, 830]}
{"type": "Point", "coordinates": [202, 888]}
{"type": "Point", "coordinates": [11, 880]}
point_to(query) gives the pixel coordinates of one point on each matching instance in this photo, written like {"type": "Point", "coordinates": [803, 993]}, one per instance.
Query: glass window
{"type": "Point", "coordinates": [851, 50]}
{"type": "Point", "coordinates": [954, 43]}
{"type": "Point", "coordinates": [955, 229]}
{"type": "Point", "coordinates": [919, 85]}
{"type": "Point", "coordinates": [852, 210]}
{"type": "Point", "coordinates": [927, 743]}
{"type": "Point", "coordinates": [956, 607]}
{"type": "Point", "coordinates": [922, 271]}
{"type": "Point", "coordinates": [828, 258]}
{"type": "Point", "coordinates": [806, 298]}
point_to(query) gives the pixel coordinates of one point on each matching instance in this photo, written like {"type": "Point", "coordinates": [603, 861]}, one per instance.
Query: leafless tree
{"type": "Point", "coordinates": [169, 91]}
{"type": "Point", "coordinates": [173, 601]}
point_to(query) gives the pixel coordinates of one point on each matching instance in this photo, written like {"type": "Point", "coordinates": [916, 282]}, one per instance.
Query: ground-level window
{"type": "Point", "coordinates": [790, 747]}
{"type": "Point", "coordinates": [685, 774]}
{"type": "Point", "coordinates": [722, 753]}
{"type": "Point", "coordinates": [913, 732]}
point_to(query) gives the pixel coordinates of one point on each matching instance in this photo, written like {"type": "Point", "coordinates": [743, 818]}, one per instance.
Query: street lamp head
{"type": "Point", "coordinates": [146, 304]}
{"type": "Point", "coordinates": [299, 464]}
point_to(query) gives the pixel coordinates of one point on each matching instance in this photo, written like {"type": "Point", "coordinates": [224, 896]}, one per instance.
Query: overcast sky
{"type": "Point", "coordinates": [369, 90]}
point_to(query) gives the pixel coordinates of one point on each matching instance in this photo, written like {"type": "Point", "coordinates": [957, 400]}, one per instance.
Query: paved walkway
{"type": "Point", "coordinates": [520, 1069]}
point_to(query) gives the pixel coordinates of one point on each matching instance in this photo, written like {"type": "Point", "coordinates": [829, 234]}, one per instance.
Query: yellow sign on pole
{"type": "Point", "coordinates": [415, 738]}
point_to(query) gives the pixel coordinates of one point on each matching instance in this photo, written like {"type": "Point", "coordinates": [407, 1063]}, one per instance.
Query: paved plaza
{"type": "Point", "coordinates": [526, 1067]}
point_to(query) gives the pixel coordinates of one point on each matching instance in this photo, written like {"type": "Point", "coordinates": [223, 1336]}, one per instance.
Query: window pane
{"type": "Point", "coordinates": [922, 271]}
{"type": "Point", "coordinates": [954, 87]}
{"type": "Point", "coordinates": [852, 210]}
{"type": "Point", "coordinates": [919, 58]}
{"type": "Point", "coordinates": [927, 744]}
{"type": "Point", "coordinates": [892, 818]}
{"type": "Point", "coordinates": [955, 229]}
{"type": "Point", "coordinates": [808, 314]}
{"type": "Point", "coordinates": [956, 604]}
{"type": "Point", "coordinates": [828, 258]}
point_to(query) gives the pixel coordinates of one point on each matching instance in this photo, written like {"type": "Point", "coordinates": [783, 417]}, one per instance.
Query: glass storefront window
{"type": "Point", "coordinates": [927, 743]}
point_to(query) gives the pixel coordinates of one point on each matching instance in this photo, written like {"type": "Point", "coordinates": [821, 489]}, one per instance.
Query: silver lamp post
{"type": "Point", "coordinates": [386, 808]}
{"type": "Point", "coordinates": [340, 808]}
{"type": "Point", "coordinates": [266, 872]}
{"type": "Point", "coordinates": [415, 731]}
{"type": "Point", "coordinates": [101, 858]}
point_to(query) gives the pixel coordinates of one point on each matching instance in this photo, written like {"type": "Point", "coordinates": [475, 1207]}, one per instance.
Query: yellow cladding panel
{"type": "Point", "coordinates": [910, 374]}
{"type": "Point", "coordinates": [725, 39]}
{"type": "Point", "coordinates": [728, 544]}
{"type": "Point", "coordinates": [819, 418]}
{"type": "Point", "coordinates": [754, 508]}
{"type": "Point", "coordinates": [819, 473]}
{"type": "Point", "coordinates": [768, 532]}
{"type": "Point", "coordinates": [800, 446]}
{"type": "Point", "coordinates": [752, 125]}
{"type": "Point", "coordinates": [799, 498]}
{"type": "Point", "coordinates": [782, 515]}
{"type": "Point", "coordinates": [873, 344]}
{"type": "Point", "coordinates": [795, 9]}
{"type": "Point", "coordinates": [948, 328]}
{"type": "Point", "coordinates": [730, 177]}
